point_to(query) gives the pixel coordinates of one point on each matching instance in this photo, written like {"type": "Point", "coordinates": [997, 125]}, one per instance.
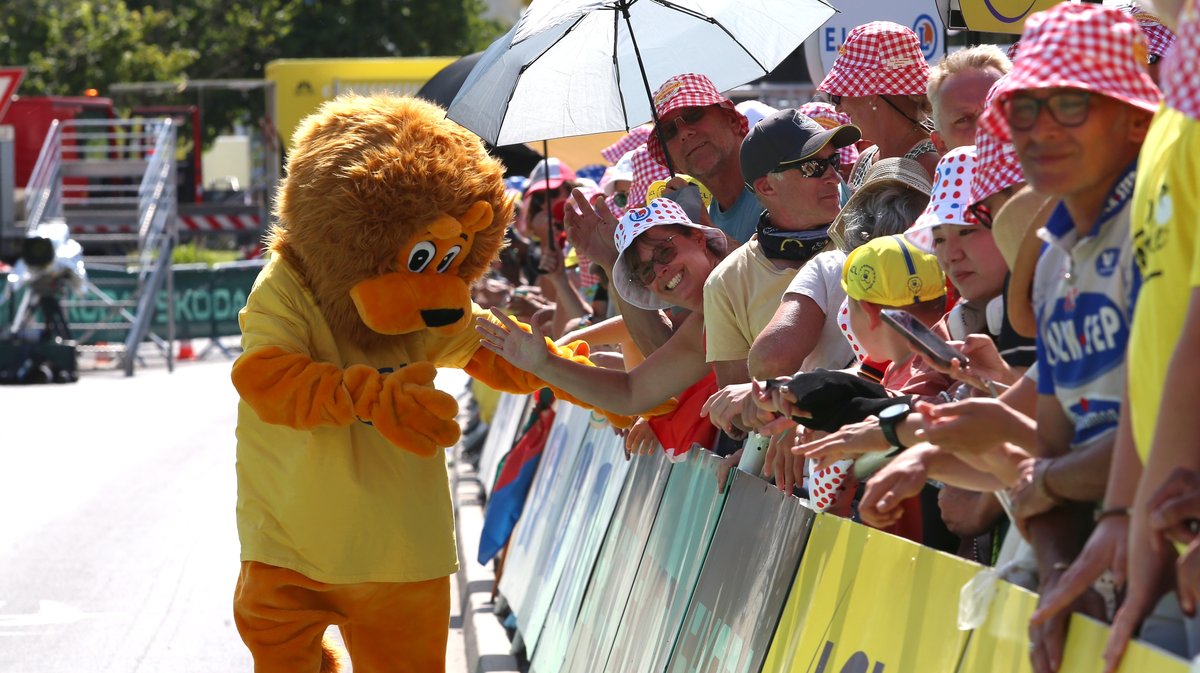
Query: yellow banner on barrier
{"type": "Point", "coordinates": [1086, 639]}
{"type": "Point", "coordinates": [867, 601]}
{"type": "Point", "coordinates": [1001, 16]}
{"type": "Point", "coordinates": [1001, 645]}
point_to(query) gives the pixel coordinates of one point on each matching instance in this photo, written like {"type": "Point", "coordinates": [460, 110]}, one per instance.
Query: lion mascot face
{"type": "Point", "coordinates": [389, 211]}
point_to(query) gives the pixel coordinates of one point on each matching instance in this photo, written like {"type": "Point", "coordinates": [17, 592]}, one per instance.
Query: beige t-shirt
{"type": "Point", "coordinates": [740, 298]}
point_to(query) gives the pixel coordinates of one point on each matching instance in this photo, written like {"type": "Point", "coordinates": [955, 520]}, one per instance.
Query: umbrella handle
{"type": "Point", "coordinates": [624, 7]}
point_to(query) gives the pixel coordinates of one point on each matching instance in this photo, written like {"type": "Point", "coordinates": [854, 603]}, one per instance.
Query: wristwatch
{"type": "Point", "coordinates": [889, 418]}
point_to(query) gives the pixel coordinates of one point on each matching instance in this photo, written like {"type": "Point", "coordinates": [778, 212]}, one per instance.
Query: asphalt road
{"type": "Point", "coordinates": [118, 545]}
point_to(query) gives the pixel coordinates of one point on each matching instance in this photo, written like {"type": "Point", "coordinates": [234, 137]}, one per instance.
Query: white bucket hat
{"type": "Point", "coordinates": [950, 199]}
{"type": "Point", "coordinates": [635, 223]}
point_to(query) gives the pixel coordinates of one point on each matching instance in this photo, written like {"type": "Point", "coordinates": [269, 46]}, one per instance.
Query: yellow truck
{"type": "Point", "coordinates": [302, 84]}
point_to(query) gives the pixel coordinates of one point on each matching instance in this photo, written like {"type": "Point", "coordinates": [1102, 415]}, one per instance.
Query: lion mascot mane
{"type": "Point", "coordinates": [387, 214]}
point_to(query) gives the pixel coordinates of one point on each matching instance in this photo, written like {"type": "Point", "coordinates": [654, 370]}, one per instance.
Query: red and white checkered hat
{"type": "Point", "coordinates": [645, 172]}
{"type": "Point", "coordinates": [1159, 38]}
{"type": "Point", "coordinates": [636, 136]}
{"type": "Point", "coordinates": [828, 117]}
{"type": "Point", "coordinates": [635, 223]}
{"type": "Point", "coordinates": [880, 57]}
{"type": "Point", "coordinates": [996, 166]}
{"type": "Point", "coordinates": [950, 198]}
{"type": "Point", "coordinates": [1180, 77]}
{"type": "Point", "coordinates": [1078, 46]}
{"type": "Point", "coordinates": [688, 90]}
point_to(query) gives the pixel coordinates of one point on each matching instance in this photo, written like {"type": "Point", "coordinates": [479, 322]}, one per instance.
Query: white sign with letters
{"type": "Point", "coordinates": [820, 49]}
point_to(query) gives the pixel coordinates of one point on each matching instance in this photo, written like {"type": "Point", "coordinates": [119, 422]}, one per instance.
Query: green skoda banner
{"type": "Point", "coordinates": [585, 530]}
{"type": "Point", "coordinates": [612, 578]}
{"type": "Point", "coordinates": [207, 300]}
{"type": "Point", "coordinates": [745, 581]}
{"type": "Point", "coordinates": [670, 566]}
{"type": "Point", "coordinates": [536, 532]}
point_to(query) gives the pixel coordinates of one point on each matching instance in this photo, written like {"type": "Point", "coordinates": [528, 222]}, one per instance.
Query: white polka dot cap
{"type": "Point", "coordinates": [635, 223]}
{"type": "Point", "coordinates": [950, 197]}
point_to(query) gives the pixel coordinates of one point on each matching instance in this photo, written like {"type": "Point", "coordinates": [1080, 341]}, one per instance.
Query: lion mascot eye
{"type": "Point", "coordinates": [422, 253]}
{"type": "Point", "coordinates": [451, 255]}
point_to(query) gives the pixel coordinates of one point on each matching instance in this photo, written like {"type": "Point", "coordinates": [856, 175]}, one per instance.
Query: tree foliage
{"type": "Point", "coordinates": [69, 46]}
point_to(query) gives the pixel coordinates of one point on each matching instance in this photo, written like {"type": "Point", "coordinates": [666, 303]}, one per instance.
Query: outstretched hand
{"type": "Point", "coordinates": [590, 227]}
{"type": "Point", "coordinates": [523, 346]}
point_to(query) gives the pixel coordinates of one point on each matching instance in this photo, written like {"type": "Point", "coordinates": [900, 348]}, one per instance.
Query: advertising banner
{"type": "Point", "coordinates": [1001, 16]}
{"type": "Point", "coordinates": [535, 533]}
{"type": "Point", "coordinates": [207, 301]}
{"type": "Point", "coordinates": [1086, 639]}
{"type": "Point", "coordinates": [506, 421]}
{"type": "Point", "coordinates": [608, 590]}
{"type": "Point", "coordinates": [591, 518]}
{"type": "Point", "coordinates": [598, 458]}
{"type": "Point", "coordinates": [864, 600]}
{"type": "Point", "coordinates": [745, 580]}
{"type": "Point", "coordinates": [1001, 644]}
{"type": "Point", "coordinates": [670, 566]}
{"type": "Point", "coordinates": [821, 49]}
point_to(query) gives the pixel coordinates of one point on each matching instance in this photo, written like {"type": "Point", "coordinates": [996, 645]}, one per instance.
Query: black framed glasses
{"type": "Point", "coordinates": [688, 115]}
{"type": "Point", "coordinates": [981, 213]}
{"type": "Point", "coordinates": [642, 272]}
{"type": "Point", "coordinates": [811, 168]}
{"type": "Point", "coordinates": [1067, 108]}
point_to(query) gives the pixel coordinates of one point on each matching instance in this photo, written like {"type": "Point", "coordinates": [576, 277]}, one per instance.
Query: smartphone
{"type": "Point", "coordinates": [922, 338]}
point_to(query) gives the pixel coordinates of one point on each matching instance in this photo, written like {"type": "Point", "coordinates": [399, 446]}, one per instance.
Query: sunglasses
{"type": "Point", "coordinates": [811, 168]}
{"type": "Point", "coordinates": [539, 199]}
{"type": "Point", "coordinates": [981, 213]}
{"type": "Point", "coordinates": [643, 273]}
{"type": "Point", "coordinates": [835, 100]}
{"type": "Point", "coordinates": [620, 199]}
{"type": "Point", "coordinates": [1068, 108]}
{"type": "Point", "coordinates": [689, 116]}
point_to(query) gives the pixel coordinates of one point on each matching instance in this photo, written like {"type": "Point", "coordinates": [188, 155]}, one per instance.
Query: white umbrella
{"type": "Point", "coordinates": [574, 67]}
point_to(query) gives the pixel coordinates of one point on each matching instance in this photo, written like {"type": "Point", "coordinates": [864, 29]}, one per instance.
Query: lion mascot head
{"type": "Point", "coordinates": [390, 212]}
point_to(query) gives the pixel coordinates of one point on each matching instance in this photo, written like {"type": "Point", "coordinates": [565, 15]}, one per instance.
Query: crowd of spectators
{"type": "Point", "coordinates": [795, 287]}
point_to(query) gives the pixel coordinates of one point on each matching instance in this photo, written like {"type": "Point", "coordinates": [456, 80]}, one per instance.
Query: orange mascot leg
{"type": "Point", "coordinates": [282, 616]}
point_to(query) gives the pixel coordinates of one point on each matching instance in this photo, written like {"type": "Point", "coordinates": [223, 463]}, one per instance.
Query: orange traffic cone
{"type": "Point", "coordinates": [185, 350]}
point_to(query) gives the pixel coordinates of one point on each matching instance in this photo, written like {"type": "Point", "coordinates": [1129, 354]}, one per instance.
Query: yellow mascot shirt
{"type": "Point", "coordinates": [339, 505]}
{"type": "Point", "coordinates": [1165, 210]}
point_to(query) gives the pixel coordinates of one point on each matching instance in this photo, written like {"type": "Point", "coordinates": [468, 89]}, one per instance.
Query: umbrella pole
{"type": "Point", "coordinates": [624, 7]}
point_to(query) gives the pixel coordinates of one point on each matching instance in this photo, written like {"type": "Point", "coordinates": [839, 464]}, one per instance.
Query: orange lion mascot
{"type": "Point", "coordinates": [387, 215]}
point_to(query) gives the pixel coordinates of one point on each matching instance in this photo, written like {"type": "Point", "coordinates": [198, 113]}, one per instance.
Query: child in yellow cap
{"type": "Point", "coordinates": [892, 273]}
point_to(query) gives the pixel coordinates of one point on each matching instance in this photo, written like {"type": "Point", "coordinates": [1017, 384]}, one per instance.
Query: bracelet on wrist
{"type": "Point", "coordinates": [1109, 512]}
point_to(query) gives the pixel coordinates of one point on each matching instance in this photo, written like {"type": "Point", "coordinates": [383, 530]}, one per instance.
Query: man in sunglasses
{"type": "Point", "coordinates": [1077, 106]}
{"type": "Point", "coordinates": [703, 130]}
{"type": "Point", "coordinates": [791, 164]}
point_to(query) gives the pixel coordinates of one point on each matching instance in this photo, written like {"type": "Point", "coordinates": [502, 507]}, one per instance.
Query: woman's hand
{"type": "Point", "coordinates": [851, 441]}
{"type": "Point", "coordinates": [524, 348]}
{"type": "Point", "coordinates": [640, 440]}
{"type": "Point", "coordinates": [985, 364]}
{"type": "Point", "coordinates": [971, 426]}
{"type": "Point", "coordinates": [590, 228]}
{"type": "Point", "coordinates": [894, 483]}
